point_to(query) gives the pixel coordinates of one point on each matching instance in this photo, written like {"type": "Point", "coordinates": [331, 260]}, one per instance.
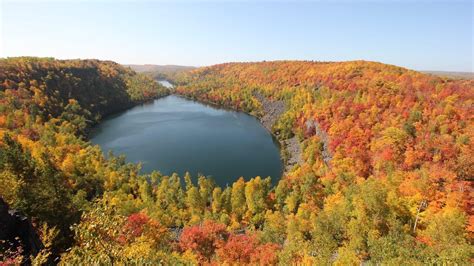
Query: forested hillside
{"type": "Point", "coordinates": [387, 166]}
{"type": "Point", "coordinates": [385, 176]}
{"type": "Point", "coordinates": [47, 169]}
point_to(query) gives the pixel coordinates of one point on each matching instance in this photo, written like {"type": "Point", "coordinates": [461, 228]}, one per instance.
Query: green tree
{"type": "Point", "coordinates": [217, 200]}
{"type": "Point", "coordinates": [445, 232]}
{"type": "Point", "coordinates": [238, 201]}
{"type": "Point", "coordinates": [256, 191]}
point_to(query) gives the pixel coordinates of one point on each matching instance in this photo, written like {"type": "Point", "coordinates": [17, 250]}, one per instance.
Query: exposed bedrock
{"type": "Point", "coordinates": [323, 136]}
{"type": "Point", "coordinates": [15, 230]}
{"type": "Point", "coordinates": [272, 110]}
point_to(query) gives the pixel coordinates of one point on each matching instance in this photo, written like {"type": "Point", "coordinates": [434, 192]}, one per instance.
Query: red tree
{"type": "Point", "coordinates": [203, 240]}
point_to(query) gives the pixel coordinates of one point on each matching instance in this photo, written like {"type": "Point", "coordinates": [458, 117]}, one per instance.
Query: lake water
{"type": "Point", "coordinates": [173, 134]}
{"type": "Point", "coordinates": [165, 83]}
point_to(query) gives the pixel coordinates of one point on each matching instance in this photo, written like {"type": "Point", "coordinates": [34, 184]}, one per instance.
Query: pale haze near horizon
{"type": "Point", "coordinates": [421, 35]}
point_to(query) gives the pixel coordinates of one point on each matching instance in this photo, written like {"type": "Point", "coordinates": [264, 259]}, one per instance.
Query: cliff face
{"type": "Point", "coordinates": [16, 230]}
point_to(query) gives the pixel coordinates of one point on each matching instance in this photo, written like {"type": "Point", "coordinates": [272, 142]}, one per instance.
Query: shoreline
{"type": "Point", "coordinates": [290, 149]}
{"type": "Point", "coordinates": [272, 110]}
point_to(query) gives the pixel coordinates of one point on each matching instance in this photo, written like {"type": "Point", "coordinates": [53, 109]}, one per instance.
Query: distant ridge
{"type": "Point", "coordinates": [159, 72]}
{"type": "Point", "coordinates": [449, 74]}
{"type": "Point", "coordinates": [159, 68]}
{"type": "Point", "coordinates": [172, 69]}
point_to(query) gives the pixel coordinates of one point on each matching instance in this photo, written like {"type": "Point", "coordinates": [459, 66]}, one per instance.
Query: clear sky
{"type": "Point", "coordinates": [422, 35]}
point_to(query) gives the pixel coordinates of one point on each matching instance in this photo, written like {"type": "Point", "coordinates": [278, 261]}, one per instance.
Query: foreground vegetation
{"type": "Point", "coordinates": [386, 174]}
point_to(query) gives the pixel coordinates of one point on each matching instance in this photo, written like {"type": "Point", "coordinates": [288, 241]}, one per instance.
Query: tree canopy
{"type": "Point", "coordinates": [385, 177]}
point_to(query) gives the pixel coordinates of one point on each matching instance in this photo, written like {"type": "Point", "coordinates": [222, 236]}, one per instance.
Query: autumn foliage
{"type": "Point", "coordinates": [409, 131]}
{"type": "Point", "coordinates": [211, 240]}
{"type": "Point", "coordinates": [203, 240]}
{"type": "Point", "coordinates": [385, 174]}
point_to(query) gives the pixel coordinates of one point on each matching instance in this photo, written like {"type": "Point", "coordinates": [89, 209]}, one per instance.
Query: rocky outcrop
{"type": "Point", "coordinates": [272, 110]}
{"type": "Point", "coordinates": [323, 136]}
{"type": "Point", "coordinates": [16, 230]}
{"type": "Point", "coordinates": [294, 151]}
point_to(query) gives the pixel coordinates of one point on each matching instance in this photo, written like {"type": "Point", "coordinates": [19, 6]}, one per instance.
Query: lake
{"type": "Point", "coordinates": [175, 135]}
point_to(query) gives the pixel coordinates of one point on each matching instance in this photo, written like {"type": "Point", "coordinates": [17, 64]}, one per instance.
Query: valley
{"type": "Point", "coordinates": [376, 156]}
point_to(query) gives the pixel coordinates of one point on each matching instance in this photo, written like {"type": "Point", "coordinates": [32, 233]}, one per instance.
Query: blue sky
{"type": "Point", "coordinates": [422, 35]}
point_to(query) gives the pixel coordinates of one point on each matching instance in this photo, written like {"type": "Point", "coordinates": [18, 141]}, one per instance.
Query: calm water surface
{"type": "Point", "coordinates": [174, 134]}
{"type": "Point", "coordinates": [165, 83]}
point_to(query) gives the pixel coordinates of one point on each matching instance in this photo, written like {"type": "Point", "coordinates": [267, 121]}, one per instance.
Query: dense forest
{"type": "Point", "coordinates": [387, 166]}
{"type": "Point", "coordinates": [386, 174]}
{"type": "Point", "coordinates": [48, 170]}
